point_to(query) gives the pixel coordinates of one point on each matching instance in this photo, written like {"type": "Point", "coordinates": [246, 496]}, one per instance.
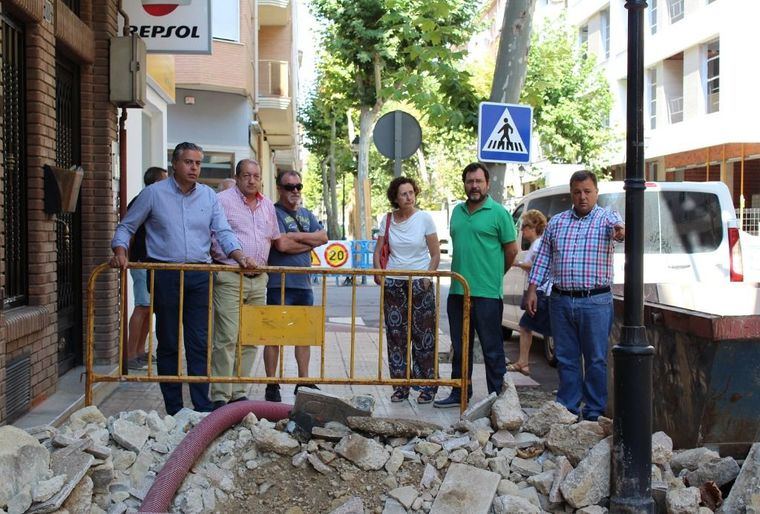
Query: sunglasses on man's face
{"type": "Point", "coordinates": [292, 187]}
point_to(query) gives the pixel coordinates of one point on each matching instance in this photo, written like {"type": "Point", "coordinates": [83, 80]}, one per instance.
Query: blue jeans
{"type": "Point", "coordinates": [581, 327]}
{"type": "Point", "coordinates": [293, 296]}
{"type": "Point", "coordinates": [485, 318]}
{"type": "Point", "coordinates": [195, 334]}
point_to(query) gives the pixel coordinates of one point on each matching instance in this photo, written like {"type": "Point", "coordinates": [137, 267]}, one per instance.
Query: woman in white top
{"type": "Point", "coordinates": [414, 246]}
{"type": "Point", "coordinates": [532, 227]}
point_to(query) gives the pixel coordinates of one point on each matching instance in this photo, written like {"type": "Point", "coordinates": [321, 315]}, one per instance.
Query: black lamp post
{"type": "Point", "coordinates": [631, 484]}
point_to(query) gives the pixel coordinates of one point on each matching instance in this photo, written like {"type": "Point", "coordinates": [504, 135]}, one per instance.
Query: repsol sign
{"type": "Point", "coordinates": [171, 26]}
{"type": "Point", "coordinates": [156, 31]}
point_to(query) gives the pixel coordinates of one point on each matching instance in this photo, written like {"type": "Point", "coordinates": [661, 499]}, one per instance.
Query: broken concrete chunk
{"type": "Point", "coordinates": [270, 440]}
{"type": "Point", "coordinates": [590, 481]}
{"type": "Point", "coordinates": [662, 448]}
{"type": "Point", "coordinates": [720, 471]}
{"type": "Point", "coordinates": [745, 493]}
{"type": "Point", "coordinates": [404, 495]}
{"type": "Point", "coordinates": [365, 453]}
{"type": "Point", "coordinates": [466, 489]}
{"type": "Point", "coordinates": [23, 462]}
{"type": "Point", "coordinates": [549, 414]}
{"type": "Point", "coordinates": [392, 427]}
{"type": "Point", "coordinates": [506, 413]}
{"type": "Point", "coordinates": [45, 489]}
{"type": "Point", "coordinates": [479, 409]}
{"type": "Point", "coordinates": [574, 441]}
{"type": "Point", "coordinates": [510, 504]}
{"type": "Point", "coordinates": [129, 435]}
{"type": "Point", "coordinates": [354, 505]}
{"type": "Point", "coordinates": [683, 501]}
{"type": "Point", "coordinates": [691, 459]}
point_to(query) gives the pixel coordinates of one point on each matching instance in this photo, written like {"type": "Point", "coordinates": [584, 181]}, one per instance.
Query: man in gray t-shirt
{"type": "Point", "coordinates": [305, 232]}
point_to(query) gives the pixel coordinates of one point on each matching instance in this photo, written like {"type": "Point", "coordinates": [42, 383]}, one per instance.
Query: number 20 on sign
{"type": "Point", "coordinates": [336, 255]}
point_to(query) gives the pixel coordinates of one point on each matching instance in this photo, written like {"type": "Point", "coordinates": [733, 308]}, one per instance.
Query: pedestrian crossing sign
{"type": "Point", "coordinates": [504, 132]}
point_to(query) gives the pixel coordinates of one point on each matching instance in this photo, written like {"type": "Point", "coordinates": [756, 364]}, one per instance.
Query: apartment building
{"type": "Point", "coordinates": [700, 111]}
{"type": "Point", "coordinates": [240, 101]}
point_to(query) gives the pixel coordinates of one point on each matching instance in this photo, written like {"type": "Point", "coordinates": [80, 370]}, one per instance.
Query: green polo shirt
{"type": "Point", "coordinates": [478, 252]}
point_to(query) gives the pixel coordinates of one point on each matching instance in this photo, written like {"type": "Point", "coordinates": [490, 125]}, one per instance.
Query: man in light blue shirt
{"type": "Point", "coordinates": [180, 216]}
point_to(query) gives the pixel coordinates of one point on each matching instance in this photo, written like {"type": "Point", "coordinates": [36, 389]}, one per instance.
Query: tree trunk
{"type": "Point", "coordinates": [331, 198]}
{"type": "Point", "coordinates": [509, 75]}
{"type": "Point", "coordinates": [422, 166]}
{"type": "Point", "coordinates": [366, 121]}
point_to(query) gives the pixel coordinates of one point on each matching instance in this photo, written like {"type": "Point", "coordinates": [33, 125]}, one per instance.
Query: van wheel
{"type": "Point", "coordinates": [506, 333]}
{"type": "Point", "coordinates": [549, 351]}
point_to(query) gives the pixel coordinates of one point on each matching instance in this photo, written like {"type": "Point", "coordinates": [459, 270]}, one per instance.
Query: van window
{"type": "Point", "coordinates": [675, 221]}
{"type": "Point", "coordinates": [652, 239]}
{"type": "Point", "coordinates": [691, 222]}
{"type": "Point", "coordinates": [551, 205]}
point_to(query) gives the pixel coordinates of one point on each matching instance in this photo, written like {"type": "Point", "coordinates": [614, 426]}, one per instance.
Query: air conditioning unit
{"type": "Point", "coordinates": [128, 71]}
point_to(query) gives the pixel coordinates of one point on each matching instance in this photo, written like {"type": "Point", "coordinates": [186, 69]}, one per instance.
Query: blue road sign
{"type": "Point", "coordinates": [504, 132]}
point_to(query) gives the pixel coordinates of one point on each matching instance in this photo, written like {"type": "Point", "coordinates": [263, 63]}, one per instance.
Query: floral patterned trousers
{"type": "Point", "coordinates": [422, 330]}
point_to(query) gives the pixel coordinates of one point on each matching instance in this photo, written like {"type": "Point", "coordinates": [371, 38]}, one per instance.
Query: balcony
{"type": "Point", "coordinates": [276, 110]}
{"type": "Point", "coordinates": [274, 12]}
{"type": "Point", "coordinates": [274, 79]}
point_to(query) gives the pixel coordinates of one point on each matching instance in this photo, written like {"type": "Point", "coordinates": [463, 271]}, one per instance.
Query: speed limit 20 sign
{"type": "Point", "coordinates": [334, 254]}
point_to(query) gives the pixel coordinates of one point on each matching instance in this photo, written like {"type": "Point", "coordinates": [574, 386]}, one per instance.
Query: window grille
{"type": "Point", "coordinates": [14, 170]}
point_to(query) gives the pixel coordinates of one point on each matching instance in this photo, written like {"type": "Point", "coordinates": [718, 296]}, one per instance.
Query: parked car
{"type": "Point", "coordinates": [690, 235]}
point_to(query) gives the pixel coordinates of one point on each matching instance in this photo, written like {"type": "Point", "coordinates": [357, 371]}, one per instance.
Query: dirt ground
{"type": "Point", "coordinates": [278, 487]}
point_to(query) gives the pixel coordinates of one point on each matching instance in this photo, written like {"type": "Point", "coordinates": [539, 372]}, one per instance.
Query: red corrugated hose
{"type": "Point", "coordinates": [183, 457]}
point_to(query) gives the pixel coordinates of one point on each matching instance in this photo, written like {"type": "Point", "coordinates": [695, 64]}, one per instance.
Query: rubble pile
{"type": "Point", "coordinates": [498, 458]}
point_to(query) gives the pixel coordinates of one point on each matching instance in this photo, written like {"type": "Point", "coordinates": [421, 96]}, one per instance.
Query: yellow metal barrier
{"type": "Point", "coordinates": [278, 325]}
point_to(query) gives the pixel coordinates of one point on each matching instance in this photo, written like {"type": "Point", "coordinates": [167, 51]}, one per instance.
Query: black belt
{"type": "Point", "coordinates": [582, 293]}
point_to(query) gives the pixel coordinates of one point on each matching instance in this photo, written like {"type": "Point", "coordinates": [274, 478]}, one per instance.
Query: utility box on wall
{"type": "Point", "coordinates": [128, 68]}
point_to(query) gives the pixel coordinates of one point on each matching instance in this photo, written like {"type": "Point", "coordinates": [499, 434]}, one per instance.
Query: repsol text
{"type": "Point", "coordinates": [165, 31]}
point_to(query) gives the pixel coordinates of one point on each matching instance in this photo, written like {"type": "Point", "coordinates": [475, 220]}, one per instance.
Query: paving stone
{"type": "Point", "coordinates": [392, 427]}
{"type": "Point", "coordinates": [321, 407]}
{"type": "Point", "coordinates": [466, 489]}
{"type": "Point", "coordinates": [80, 499]}
{"type": "Point", "coordinates": [365, 453]}
{"type": "Point", "coordinates": [129, 435]}
{"type": "Point", "coordinates": [70, 462]}
{"type": "Point", "coordinates": [662, 448]}
{"type": "Point", "coordinates": [502, 438]}
{"type": "Point", "coordinates": [691, 459]}
{"type": "Point", "coordinates": [354, 505]}
{"type": "Point", "coordinates": [511, 504]}
{"type": "Point", "coordinates": [589, 483]}
{"type": "Point", "coordinates": [526, 467]}
{"type": "Point", "coordinates": [592, 509]}
{"type": "Point", "coordinates": [480, 408]}
{"type": "Point", "coordinates": [392, 506]}
{"type": "Point", "coordinates": [23, 462]}
{"type": "Point", "coordinates": [330, 434]}
{"type": "Point", "coordinates": [745, 493]}
{"type": "Point", "coordinates": [683, 501]}
{"type": "Point", "coordinates": [395, 461]}
{"type": "Point", "coordinates": [404, 495]}
{"type": "Point", "coordinates": [270, 440]}
{"type": "Point", "coordinates": [506, 413]}
{"type": "Point", "coordinates": [426, 448]}
{"type": "Point", "coordinates": [319, 465]}
{"type": "Point", "coordinates": [455, 443]}
{"type": "Point", "coordinates": [429, 477]}
{"type": "Point", "coordinates": [720, 471]}
{"type": "Point", "coordinates": [542, 481]}
{"type": "Point", "coordinates": [45, 489]}
{"type": "Point", "coordinates": [574, 441]}
{"type": "Point", "coordinates": [549, 414]}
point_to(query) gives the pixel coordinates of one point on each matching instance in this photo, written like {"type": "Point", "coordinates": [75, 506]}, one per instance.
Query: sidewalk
{"type": "Point", "coordinates": [115, 398]}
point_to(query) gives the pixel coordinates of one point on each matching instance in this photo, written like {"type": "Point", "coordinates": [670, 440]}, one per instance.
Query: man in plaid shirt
{"type": "Point", "coordinates": [577, 250]}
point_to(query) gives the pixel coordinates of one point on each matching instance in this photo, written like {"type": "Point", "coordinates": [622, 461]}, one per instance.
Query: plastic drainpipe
{"type": "Point", "coordinates": [183, 457]}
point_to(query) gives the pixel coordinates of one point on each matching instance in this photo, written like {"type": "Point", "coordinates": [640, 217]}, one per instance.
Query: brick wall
{"type": "Point", "coordinates": [32, 329]}
{"type": "Point", "coordinates": [99, 131]}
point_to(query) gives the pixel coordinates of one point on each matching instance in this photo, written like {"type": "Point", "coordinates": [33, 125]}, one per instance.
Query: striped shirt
{"type": "Point", "coordinates": [255, 227]}
{"type": "Point", "coordinates": [577, 251]}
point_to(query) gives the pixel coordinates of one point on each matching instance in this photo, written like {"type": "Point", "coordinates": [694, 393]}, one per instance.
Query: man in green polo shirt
{"type": "Point", "coordinates": [483, 236]}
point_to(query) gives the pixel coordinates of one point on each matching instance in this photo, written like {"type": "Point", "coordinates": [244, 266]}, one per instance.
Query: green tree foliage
{"type": "Point", "coordinates": [570, 97]}
{"type": "Point", "coordinates": [403, 50]}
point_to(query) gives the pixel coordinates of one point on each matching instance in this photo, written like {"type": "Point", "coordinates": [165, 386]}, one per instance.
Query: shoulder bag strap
{"type": "Point", "coordinates": [387, 227]}
{"type": "Point", "coordinates": [295, 218]}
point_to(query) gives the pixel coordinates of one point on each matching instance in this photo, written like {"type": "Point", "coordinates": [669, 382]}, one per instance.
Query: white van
{"type": "Point", "coordinates": [691, 235]}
